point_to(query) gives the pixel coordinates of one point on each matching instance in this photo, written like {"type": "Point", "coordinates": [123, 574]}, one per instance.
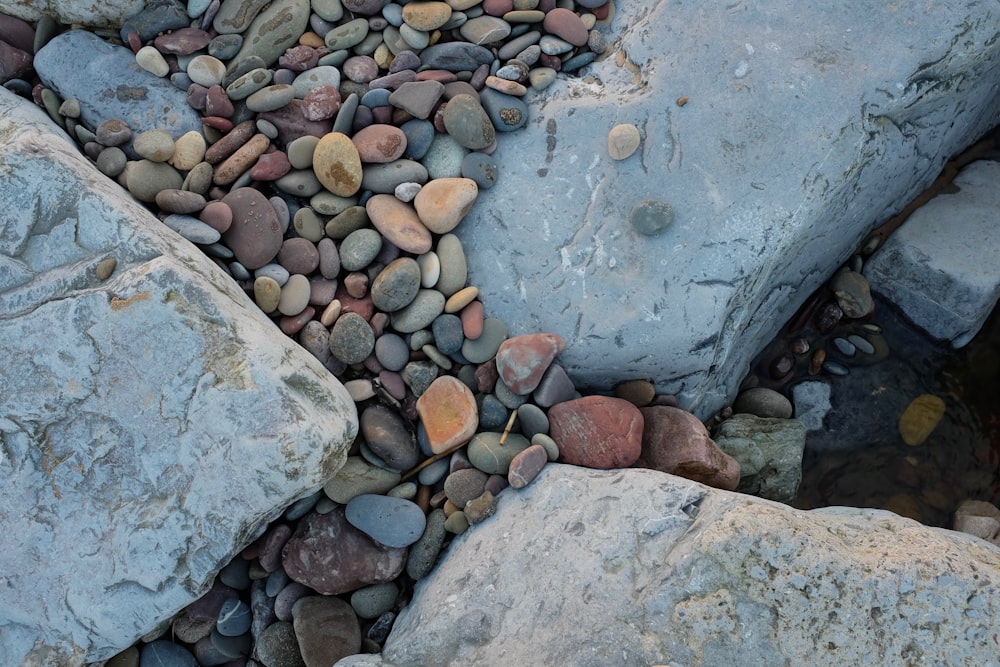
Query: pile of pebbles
{"type": "Point", "coordinates": [337, 145]}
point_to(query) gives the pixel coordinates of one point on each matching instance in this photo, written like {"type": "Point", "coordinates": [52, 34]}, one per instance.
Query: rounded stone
{"type": "Point", "coordinates": [234, 618]}
{"type": "Point", "coordinates": [396, 285]}
{"type": "Point", "coordinates": [481, 168]}
{"type": "Point", "coordinates": [468, 123]}
{"type": "Point", "coordinates": [424, 552]}
{"type": "Point", "coordinates": [206, 70]}
{"type": "Point", "coordinates": [189, 150]}
{"type": "Point", "coordinates": [399, 223]}
{"type": "Point", "coordinates": [294, 295]}
{"type": "Point", "coordinates": [337, 164]}
{"type": "Point", "coordinates": [379, 143]}
{"type": "Point", "coordinates": [623, 141]}
{"type": "Point", "coordinates": [299, 255]}
{"type": "Point", "coordinates": [393, 522]}
{"type": "Point", "coordinates": [154, 145]}
{"type": "Point", "coordinates": [442, 203]}
{"type": "Point", "coordinates": [387, 436]}
{"type": "Point", "coordinates": [651, 217]}
{"type": "Point", "coordinates": [486, 345]}
{"type": "Point", "coordinates": [392, 352]}
{"type": "Point", "coordinates": [373, 601]}
{"type": "Point", "coordinates": [351, 339]}
{"type": "Point", "coordinates": [359, 249]}
{"type": "Point", "coordinates": [326, 629]}
{"type": "Point", "coordinates": [145, 178]}
{"type": "Point", "coordinates": [448, 413]}
{"type": "Point", "coordinates": [488, 455]}
{"type": "Point", "coordinates": [255, 235]}
{"type": "Point", "coordinates": [526, 465]}
{"type": "Point", "coordinates": [763, 402]}
{"type": "Point", "coordinates": [464, 485]}
{"type": "Point", "coordinates": [448, 334]}
{"type": "Point", "coordinates": [853, 293]}
{"type": "Point", "coordinates": [920, 418]}
{"type": "Point", "coordinates": [357, 476]}
{"type": "Point", "coordinates": [421, 311]}
{"type": "Point", "coordinates": [165, 652]}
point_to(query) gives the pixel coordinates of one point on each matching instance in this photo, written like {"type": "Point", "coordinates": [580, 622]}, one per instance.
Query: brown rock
{"type": "Point", "coordinates": [443, 202]}
{"type": "Point", "coordinates": [566, 24]}
{"type": "Point", "coordinates": [255, 233]}
{"type": "Point", "coordinates": [217, 215]}
{"type": "Point", "coordinates": [180, 201]}
{"type": "Point", "coordinates": [338, 165]}
{"type": "Point", "coordinates": [448, 412]}
{"type": "Point", "coordinates": [597, 432]}
{"type": "Point", "coordinates": [270, 167]}
{"type": "Point", "coordinates": [321, 103]}
{"type": "Point", "coordinates": [397, 221]}
{"type": "Point", "coordinates": [242, 159]}
{"type": "Point", "coordinates": [182, 42]}
{"type": "Point", "coordinates": [228, 144]}
{"type": "Point", "coordinates": [526, 465]}
{"type": "Point", "coordinates": [299, 255]}
{"type": "Point", "coordinates": [292, 122]}
{"type": "Point", "coordinates": [522, 360]}
{"type": "Point", "coordinates": [676, 442]}
{"type": "Point", "coordinates": [426, 16]}
{"type": "Point", "coordinates": [326, 628]}
{"type": "Point", "coordinates": [332, 557]}
{"type": "Point", "coordinates": [380, 143]}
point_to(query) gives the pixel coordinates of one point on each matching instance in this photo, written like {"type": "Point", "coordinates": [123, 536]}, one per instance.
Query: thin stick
{"type": "Point", "coordinates": [508, 427]}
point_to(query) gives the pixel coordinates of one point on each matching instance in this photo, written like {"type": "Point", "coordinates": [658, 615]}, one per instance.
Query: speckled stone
{"type": "Point", "coordinates": [337, 164]}
{"type": "Point", "coordinates": [419, 314]}
{"type": "Point", "coordinates": [255, 235]}
{"type": "Point", "coordinates": [396, 285]}
{"type": "Point", "coordinates": [351, 339]}
{"type": "Point", "coordinates": [466, 120]}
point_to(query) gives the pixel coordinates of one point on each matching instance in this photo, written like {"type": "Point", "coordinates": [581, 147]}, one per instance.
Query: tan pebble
{"type": "Point", "coordinates": [105, 268]}
{"type": "Point", "coordinates": [360, 390]}
{"type": "Point", "coordinates": [449, 508]}
{"type": "Point", "coordinates": [639, 393]}
{"type": "Point", "coordinates": [266, 293]}
{"type": "Point", "coordinates": [461, 299]}
{"type": "Point", "coordinates": [430, 269]}
{"type": "Point", "coordinates": [294, 295]}
{"type": "Point", "coordinates": [448, 412]}
{"type": "Point", "coordinates": [189, 150]}
{"type": "Point", "coordinates": [921, 416]}
{"type": "Point", "coordinates": [426, 16]}
{"type": "Point", "coordinates": [505, 86]}
{"type": "Point", "coordinates": [623, 141]}
{"type": "Point", "coordinates": [311, 39]}
{"type": "Point", "coordinates": [681, 101]}
{"type": "Point", "coordinates": [383, 56]}
{"type": "Point", "coordinates": [399, 223]}
{"type": "Point", "coordinates": [154, 145]}
{"type": "Point", "coordinates": [245, 156]}
{"type": "Point", "coordinates": [330, 313]}
{"type": "Point", "coordinates": [152, 61]}
{"type": "Point", "coordinates": [443, 202]}
{"type": "Point", "coordinates": [337, 164]}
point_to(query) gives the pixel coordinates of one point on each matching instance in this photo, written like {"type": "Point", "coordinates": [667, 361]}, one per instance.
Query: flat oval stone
{"type": "Point", "coordinates": [351, 339]}
{"type": "Point", "coordinates": [255, 234]}
{"type": "Point", "coordinates": [393, 522]}
{"type": "Point", "coordinates": [523, 360]}
{"type": "Point", "coordinates": [299, 255]}
{"type": "Point", "coordinates": [443, 202]}
{"type": "Point", "coordinates": [853, 293]}
{"type": "Point", "coordinates": [399, 223]}
{"type": "Point", "coordinates": [448, 334]}
{"type": "Point", "coordinates": [235, 16]}
{"type": "Point", "coordinates": [454, 268]}
{"type": "Point", "coordinates": [180, 201]}
{"type": "Point", "coordinates": [385, 178]}
{"type": "Point", "coordinates": [426, 16]}
{"type": "Point", "coordinates": [488, 455]}
{"type": "Point", "coordinates": [396, 285]}
{"type": "Point", "coordinates": [600, 432]}
{"type": "Point", "coordinates": [444, 157]}
{"type": "Point", "coordinates": [419, 135]}
{"type": "Point", "coordinates": [165, 652]}
{"type": "Point", "coordinates": [485, 346]}
{"type": "Point", "coordinates": [266, 293]}
{"type": "Point", "coordinates": [392, 352]}
{"type": "Point", "coordinates": [145, 179]}
{"type": "Point", "coordinates": [189, 150]}
{"type": "Point", "coordinates": [337, 164]}
{"type": "Point", "coordinates": [447, 410]}
{"type": "Point", "coordinates": [357, 476]}
{"type": "Point", "coordinates": [485, 30]}
{"type": "Point", "coordinates": [651, 217]}
{"type": "Point", "coordinates": [763, 402]}
{"type": "Point", "coordinates": [326, 629]}
{"type": "Point", "coordinates": [329, 555]}
{"type": "Point", "coordinates": [424, 552]}
{"type": "Point", "coordinates": [566, 24]}
{"type": "Point", "coordinates": [294, 295]}
{"type": "Point", "coordinates": [467, 122]}
{"type": "Point", "coordinates": [193, 229]}
{"type": "Point", "coordinates": [151, 60]}
{"type": "Point", "coordinates": [379, 143]}
{"type": "Point", "coordinates": [464, 485]}
{"type": "Point", "coordinates": [276, 28]}
{"type": "Point", "coordinates": [623, 141]}
{"type": "Point", "coordinates": [300, 152]}
{"type": "Point", "coordinates": [359, 249]}
{"type": "Point", "coordinates": [373, 601]}
{"type": "Point", "coordinates": [270, 98]}
{"type": "Point", "coordinates": [247, 84]}
{"type": "Point", "coordinates": [526, 465]}
{"type": "Point", "coordinates": [426, 306]}
{"type": "Point", "coordinates": [154, 145]}
{"type": "Point", "coordinates": [920, 418]}
{"type": "Point", "coordinates": [506, 112]}
{"type": "Point", "coordinates": [234, 618]}
{"type": "Point", "coordinates": [347, 35]}
{"type": "Point", "coordinates": [317, 77]}
{"type": "Point", "coordinates": [455, 56]}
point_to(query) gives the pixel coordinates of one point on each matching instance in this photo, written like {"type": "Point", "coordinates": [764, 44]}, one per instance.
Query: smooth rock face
{"type": "Point", "coordinates": [772, 185]}
{"type": "Point", "coordinates": [103, 14]}
{"type": "Point", "coordinates": [689, 575]}
{"type": "Point", "coordinates": [146, 390]}
{"type": "Point", "coordinates": [939, 267]}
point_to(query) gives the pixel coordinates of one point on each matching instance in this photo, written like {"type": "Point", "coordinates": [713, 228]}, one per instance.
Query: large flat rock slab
{"type": "Point", "coordinates": [939, 268]}
{"type": "Point", "coordinates": [103, 14]}
{"type": "Point", "coordinates": [150, 424]}
{"type": "Point", "coordinates": [804, 126]}
{"type": "Point", "coordinates": [637, 567]}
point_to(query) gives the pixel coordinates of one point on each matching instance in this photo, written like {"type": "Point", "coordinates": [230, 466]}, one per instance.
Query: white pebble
{"type": "Point", "coordinates": [406, 192]}
{"type": "Point", "coordinates": [152, 61]}
{"type": "Point", "coordinates": [430, 269]}
{"type": "Point", "coordinates": [206, 70]}
{"type": "Point", "coordinates": [360, 390]}
{"type": "Point", "coordinates": [623, 141]}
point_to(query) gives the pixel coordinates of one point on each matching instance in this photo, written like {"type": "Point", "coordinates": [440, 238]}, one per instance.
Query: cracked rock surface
{"type": "Point", "coordinates": [637, 567]}
{"type": "Point", "coordinates": [150, 424]}
{"type": "Point", "coordinates": [801, 131]}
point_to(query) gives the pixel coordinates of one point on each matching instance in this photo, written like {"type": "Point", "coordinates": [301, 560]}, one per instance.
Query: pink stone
{"type": "Point", "coordinates": [182, 42]}
{"type": "Point", "coordinates": [255, 234]}
{"type": "Point", "coordinates": [567, 25]}
{"type": "Point", "coordinates": [379, 143]}
{"type": "Point", "coordinates": [472, 317]}
{"type": "Point", "coordinates": [332, 557]}
{"type": "Point", "coordinates": [676, 442]}
{"type": "Point", "coordinates": [526, 465]}
{"type": "Point", "coordinates": [270, 166]}
{"type": "Point", "coordinates": [321, 103]}
{"type": "Point", "coordinates": [217, 215]}
{"type": "Point", "coordinates": [522, 360]}
{"type": "Point", "coordinates": [448, 412]}
{"type": "Point", "coordinates": [597, 432]}
{"type": "Point", "coordinates": [217, 102]}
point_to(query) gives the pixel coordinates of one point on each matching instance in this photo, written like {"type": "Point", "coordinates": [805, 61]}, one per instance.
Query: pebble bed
{"type": "Point", "coordinates": [322, 153]}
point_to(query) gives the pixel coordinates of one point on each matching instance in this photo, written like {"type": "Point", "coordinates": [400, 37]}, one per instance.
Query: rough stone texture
{"type": "Point", "coordinates": [125, 403]}
{"type": "Point", "coordinates": [795, 141]}
{"type": "Point", "coordinates": [103, 14]}
{"type": "Point", "coordinates": [676, 442]}
{"type": "Point", "coordinates": [689, 575]}
{"type": "Point", "coordinates": [940, 266]}
{"type": "Point", "coordinates": [769, 452]}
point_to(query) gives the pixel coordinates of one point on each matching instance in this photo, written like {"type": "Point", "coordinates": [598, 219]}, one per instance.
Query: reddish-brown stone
{"type": "Point", "coordinates": [676, 442]}
{"type": "Point", "coordinates": [332, 557]}
{"type": "Point", "coordinates": [270, 166]}
{"type": "Point", "coordinates": [292, 122]}
{"type": "Point", "coordinates": [379, 143]}
{"type": "Point", "coordinates": [448, 412]}
{"type": "Point", "coordinates": [566, 24]}
{"type": "Point", "coordinates": [182, 42]}
{"type": "Point", "coordinates": [597, 432]}
{"type": "Point", "coordinates": [299, 255]}
{"type": "Point", "coordinates": [321, 103]}
{"type": "Point", "coordinates": [526, 465]}
{"type": "Point", "coordinates": [255, 233]}
{"type": "Point", "coordinates": [522, 360]}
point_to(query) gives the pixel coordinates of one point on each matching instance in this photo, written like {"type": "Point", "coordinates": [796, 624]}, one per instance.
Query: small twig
{"type": "Point", "coordinates": [508, 427]}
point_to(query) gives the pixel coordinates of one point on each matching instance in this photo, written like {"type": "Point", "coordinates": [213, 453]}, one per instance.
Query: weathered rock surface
{"type": "Point", "coordinates": [103, 14]}
{"type": "Point", "coordinates": [151, 423]}
{"type": "Point", "coordinates": [769, 451]}
{"type": "Point", "coordinates": [794, 142]}
{"type": "Point", "coordinates": [635, 567]}
{"type": "Point", "coordinates": [940, 267]}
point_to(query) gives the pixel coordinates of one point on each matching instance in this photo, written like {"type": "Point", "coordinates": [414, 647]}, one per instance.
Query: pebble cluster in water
{"type": "Point", "coordinates": [322, 153]}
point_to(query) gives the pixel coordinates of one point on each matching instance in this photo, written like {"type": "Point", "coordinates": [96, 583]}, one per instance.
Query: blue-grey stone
{"type": "Point", "coordinates": [164, 653]}
{"type": "Point", "coordinates": [392, 352]}
{"type": "Point", "coordinates": [506, 112]}
{"type": "Point", "coordinates": [424, 552]}
{"type": "Point", "coordinates": [419, 135]}
{"type": "Point", "coordinates": [108, 84]}
{"type": "Point", "coordinates": [492, 413]}
{"type": "Point", "coordinates": [394, 522]}
{"type": "Point", "coordinates": [156, 17]}
{"type": "Point", "coordinates": [455, 56]}
{"type": "Point", "coordinates": [234, 618]}
{"type": "Point", "coordinates": [191, 228]}
{"type": "Point", "coordinates": [448, 334]}
{"type": "Point", "coordinates": [481, 168]}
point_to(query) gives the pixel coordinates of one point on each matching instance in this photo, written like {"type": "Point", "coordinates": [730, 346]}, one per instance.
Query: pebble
{"type": "Point", "coordinates": [356, 477]}
{"type": "Point", "coordinates": [399, 223]}
{"type": "Point", "coordinates": [145, 178]}
{"type": "Point", "coordinates": [424, 552]}
{"type": "Point", "coordinates": [111, 161]}
{"type": "Point", "coordinates": [387, 436]}
{"type": "Point", "coordinates": [105, 268]}
{"type": "Point", "coordinates": [417, 98]}
{"type": "Point", "coordinates": [623, 141]}
{"type": "Point", "coordinates": [379, 143]}
{"type": "Point", "coordinates": [454, 269]}
{"type": "Point", "coordinates": [299, 255]}
{"type": "Point", "coordinates": [392, 352]}
{"type": "Point", "coordinates": [420, 313]}
{"type": "Point", "coordinates": [373, 601]}
{"type": "Point", "coordinates": [639, 393]}
{"type": "Point", "coordinates": [853, 294]}
{"type": "Point", "coordinates": [525, 466]}
{"type": "Point", "coordinates": [548, 444]}
{"type": "Point", "coordinates": [481, 168]}
{"type": "Point", "coordinates": [444, 157]}
{"type": "Point", "coordinates": [151, 60]}
{"type": "Point", "coordinates": [277, 646]}
{"type": "Point", "coordinates": [385, 177]}
{"type": "Point", "coordinates": [337, 164]}
{"type": "Point", "coordinates": [467, 122]}
{"type": "Point", "coordinates": [448, 413]}
{"type": "Point", "coordinates": [486, 345]}
{"type": "Point", "coordinates": [506, 112]}
{"type": "Point", "coordinates": [396, 285]}
{"type": "Point", "coordinates": [456, 523]}
{"type": "Point", "coordinates": [393, 522]}
{"type": "Point", "coordinates": [317, 77]}
{"type": "Point", "coordinates": [522, 360]}
{"type": "Point", "coordinates": [920, 418]}
{"type": "Point", "coordinates": [442, 203]}
{"type": "Point", "coordinates": [651, 217]}
{"type": "Point", "coordinates": [294, 295]}
{"type": "Point", "coordinates": [189, 150]}
{"type": "Point", "coordinates": [255, 235]}
{"type": "Point", "coordinates": [234, 618]}
{"type": "Point", "coordinates": [597, 432]}
{"type": "Point", "coordinates": [154, 145]}
{"type": "Point", "coordinates": [464, 485]}
{"type": "Point", "coordinates": [763, 402]}
{"type": "Point", "coordinates": [193, 229]}
{"type": "Point", "coordinates": [481, 508]}
{"type": "Point", "coordinates": [166, 653]}
{"type": "Point", "coordinates": [326, 629]}
{"type": "Point", "coordinates": [419, 136]}
{"type": "Point", "coordinates": [488, 455]}
{"type": "Point", "coordinates": [276, 28]}
{"type": "Point", "coordinates": [351, 339]}
{"type": "Point", "coordinates": [473, 320]}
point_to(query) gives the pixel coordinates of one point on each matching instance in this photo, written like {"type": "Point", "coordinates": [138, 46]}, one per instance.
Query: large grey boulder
{"type": "Point", "coordinates": [940, 266]}
{"type": "Point", "coordinates": [637, 567]}
{"type": "Point", "coordinates": [150, 423]}
{"type": "Point", "coordinates": [103, 14]}
{"type": "Point", "coordinates": [805, 126]}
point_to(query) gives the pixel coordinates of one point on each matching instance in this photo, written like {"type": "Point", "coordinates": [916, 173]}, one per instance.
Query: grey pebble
{"type": "Point", "coordinates": [356, 477]}
{"type": "Point", "coordinates": [392, 352]}
{"type": "Point", "coordinates": [433, 473]}
{"type": "Point", "coordinates": [492, 413]}
{"type": "Point", "coordinates": [359, 249]}
{"type": "Point", "coordinates": [192, 228]}
{"type": "Point", "coordinates": [420, 313]}
{"type": "Point", "coordinates": [444, 158]}
{"type": "Point", "coordinates": [481, 168]}
{"type": "Point", "coordinates": [555, 387]}
{"type": "Point", "coordinates": [387, 436]}
{"type": "Point", "coordinates": [374, 600]}
{"type": "Point", "coordinates": [396, 285]}
{"type": "Point", "coordinates": [351, 339]}
{"type": "Point", "coordinates": [234, 618]}
{"type": "Point", "coordinates": [393, 522]}
{"type": "Point", "coordinates": [454, 268]}
{"type": "Point", "coordinates": [463, 485]}
{"type": "Point", "coordinates": [532, 420]}
{"type": "Point", "coordinates": [418, 375]}
{"type": "Point", "coordinates": [448, 335]}
{"type": "Point", "coordinates": [424, 552]}
{"type": "Point", "coordinates": [164, 653]}
{"type": "Point", "coordinates": [487, 454]}
{"type": "Point", "coordinates": [485, 347]}
{"type": "Point", "coordinates": [384, 178]}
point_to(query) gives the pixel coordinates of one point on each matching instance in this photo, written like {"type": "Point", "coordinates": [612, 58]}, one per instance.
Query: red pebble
{"type": "Point", "coordinates": [293, 323]}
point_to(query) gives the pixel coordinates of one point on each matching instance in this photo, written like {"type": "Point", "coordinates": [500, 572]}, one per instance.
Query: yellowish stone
{"type": "Point", "coordinates": [443, 202]}
{"type": "Point", "coordinates": [623, 141]}
{"type": "Point", "coordinates": [920, 418]}
{"type": "Point", "coordinates": [426, 16]}
{"type": "Point", "coordinates": [189, 150]}
{"type": "Point", "coordinates": [337, 164]}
